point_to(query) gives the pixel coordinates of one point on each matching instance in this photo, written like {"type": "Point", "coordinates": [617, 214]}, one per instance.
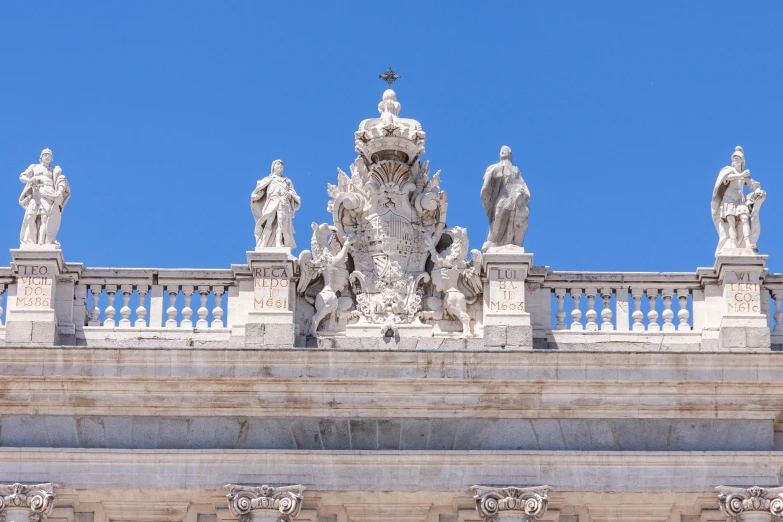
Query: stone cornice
{"type": "Point", "coordinates": [320, 470]}
{"type": "Point", "coordinates": [244, 500]}
{"type": "Point", "coordinates": [531, 502]}
{"type": "Point", "coordinates": [38, 498]}
{"type": "Point", "coordinates": [737, 503]}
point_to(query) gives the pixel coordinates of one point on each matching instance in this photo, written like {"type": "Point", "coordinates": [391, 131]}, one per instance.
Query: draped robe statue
{"type": "Point", "coordinates": [273, 203]}
{"type": "Point", "coordinates": [45, 193]}
{"type": "Point", "coordinates": [736, 215]}
{"type": "Point", "coordinates": [505, 197]}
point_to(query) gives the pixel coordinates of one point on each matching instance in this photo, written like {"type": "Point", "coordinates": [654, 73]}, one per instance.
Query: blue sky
{"type": "Point", "coordinates": [164, 114]}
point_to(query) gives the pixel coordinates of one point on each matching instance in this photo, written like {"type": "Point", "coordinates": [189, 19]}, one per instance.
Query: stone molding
{"type": "Point", "coordinates": [740, 504]}
{"type": "Point", "coordinates": [244, 500]}
{"type": "Point", "coordinates": [38, 498]}
{"type": "Point", "coordinates": [532, 502]}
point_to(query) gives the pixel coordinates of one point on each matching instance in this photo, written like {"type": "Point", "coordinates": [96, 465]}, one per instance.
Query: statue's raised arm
{"type": "Point", "coordinates": [273, 203]}
{"type": "Point", "coordinates": [735, 214]}
{"type": "Point", "coordinates": [505, 197]}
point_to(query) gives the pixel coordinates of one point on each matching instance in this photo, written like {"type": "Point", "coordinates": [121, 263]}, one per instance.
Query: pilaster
{"type": "Point", "coordinates": [507, 321]}
{"type": "Point", "coordinates": [270, 320]}
{"type": "Point", "coordinates": [754, 504]}
{"type": "Point", "coordinates": [23, 503]}
{"type": "Point", "coordinates": [264, 503]}
{"type": "Point", "coordinates": [511, 504]}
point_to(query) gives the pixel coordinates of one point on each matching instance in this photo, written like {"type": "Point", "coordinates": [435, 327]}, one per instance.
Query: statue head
{"type": "Point", "coordinates": [277, 167]}
{"type": "Point", "coordinates": [505, 153]}
{"type": "Point", "coordinates": [46, 157]}
{"type": "Point", "coordinates": [738, 159]}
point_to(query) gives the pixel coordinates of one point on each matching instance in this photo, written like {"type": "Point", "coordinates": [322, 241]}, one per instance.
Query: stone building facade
{"type": "Point", "coordinates": [384, 375]}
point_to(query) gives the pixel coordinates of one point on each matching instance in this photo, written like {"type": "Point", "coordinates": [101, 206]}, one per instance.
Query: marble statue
{"type": "Point", "coordinates": [735, 214]}
{"type": "Point", "coordinates": [454, 276]}
{"type": "Point", "coordinates": [329, 259]}
{"type": "Point", "coordinates": [274, 202]}
{"type": "Point", "coordinates": [505, 197]}
{"type": "Point", "coordinates": [45, 193]}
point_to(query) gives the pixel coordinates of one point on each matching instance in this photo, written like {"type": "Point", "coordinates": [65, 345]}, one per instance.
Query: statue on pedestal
{"type": "Point", "coordinates": [45, 193]}
{"type": "Point", "coordinates": [329, 258]}
{"type": "Point", "coordinates": [274, 202]}
{"type": "Point", "coordinates": [505, 197]}
{"type": "Point", "coordinates": [736, 215]}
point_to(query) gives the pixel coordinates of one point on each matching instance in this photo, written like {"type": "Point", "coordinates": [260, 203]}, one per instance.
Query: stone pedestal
{"type": "Point", "coordinates": [743, 323]}
{"type": "Point", "coordinates": [32, 314]}
{"type": "Point", "coordinates": [506, 318]}
{"type": "Point", "coordinates": [270, 321]}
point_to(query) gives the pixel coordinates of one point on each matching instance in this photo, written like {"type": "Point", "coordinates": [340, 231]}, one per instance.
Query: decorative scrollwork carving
{"type": "Point", "coordinates": [531, 501]}
{"type": "Point", "coordinates": [243, 500]}
{"type": "Point", "coordinates": [39, 499]}
{"type": "Point", "coordinates": [736, 502]}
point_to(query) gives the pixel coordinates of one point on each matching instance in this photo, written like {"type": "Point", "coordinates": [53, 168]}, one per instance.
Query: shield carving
{"type": "Point", "coordinates": [390, 244]}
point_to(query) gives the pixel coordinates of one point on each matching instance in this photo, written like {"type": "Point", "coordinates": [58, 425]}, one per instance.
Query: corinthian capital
{"type": "Point", "coordinates": [20, 501]}
{"type": "Point", "coordinates": [249, 503]}
{"type": "Point", "coordinates": [528, 503]}
{"type": "Point", "coordinates": [753, 504]}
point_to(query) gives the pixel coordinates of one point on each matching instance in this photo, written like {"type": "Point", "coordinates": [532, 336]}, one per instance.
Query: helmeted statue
{"type": "Point", "coordinates": [274, 202]}
{"type": "Point", "coordinates": [736, 215]}
{"type": "Point", "coordinates": [505, 197]}
{"type": "Point", "coordinates": [45, 194]}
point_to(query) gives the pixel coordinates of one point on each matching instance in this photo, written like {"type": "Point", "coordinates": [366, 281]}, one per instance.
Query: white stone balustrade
{"type": "Point", "coordinates": [621, 302]}
{"type": "Point", "coordinates": [143, 295]}
{"type": "Point", "coordinates": [6, 279]}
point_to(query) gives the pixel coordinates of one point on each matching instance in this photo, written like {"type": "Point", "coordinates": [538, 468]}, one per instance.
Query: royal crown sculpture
{"type": "Point", "coordinates": [389, 264]}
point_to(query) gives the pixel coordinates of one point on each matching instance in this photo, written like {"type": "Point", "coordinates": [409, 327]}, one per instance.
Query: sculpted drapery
{"type": "Point", "coordinates": [44, 196]}
{"type": "Point", "coordinates": [273, 203]}
{"type": "Point", "coordinates": [505, 197]}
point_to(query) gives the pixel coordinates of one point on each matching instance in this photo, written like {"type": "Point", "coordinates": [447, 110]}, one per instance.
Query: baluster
{"type": "Point", "coordinates": [606, 313]}
{"type": "Point", "coordinates": [637, 315]}
{"type": "Point", "coordinates": [111, 290]}
{"type": "Point", "coordinates": [171, 311]}
{"type": "Point", "coordinates": [560, 294]}
{"type": "Point", "coordinates": [668, 313]}
{"type": "Point", "coordinates": [203, 292]}
{"type": "Point", "coordinates": [777, 294]}
{"type": "Point", "coordinates": [187, 312]}
{"type": "Point", "coordinates": [591, 314]}
{"type": "Point", "coordinates": [95, 313]}
{"type": "Point", "coordinates": [683, 314]}
{"type": "Point", "coordinates": [125, 311]}
{"type": "Point", "coordinates": [576, 313]}
{"type": "Point", "coordinates": [141, 311]}
{"type": "Point", "coordinates": [217, 312]}
{"type": "Point", "coordinates": [652, 315]}
{"type": "Point", "coordinates": [2, 291]}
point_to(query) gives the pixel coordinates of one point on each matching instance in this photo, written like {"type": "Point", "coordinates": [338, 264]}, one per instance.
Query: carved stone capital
{"type": "Point", "coordinates": [531, 502]}
{"type": "Point", "coordinates": [754, 504]}
{"type": "Point", "coordinates": [20, 500]}
{"type": "Point", "coordinates": [246, 501]}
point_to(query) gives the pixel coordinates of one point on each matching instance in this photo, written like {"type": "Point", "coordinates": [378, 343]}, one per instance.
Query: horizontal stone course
{"type": "Point", "coordinates": [319, 433]}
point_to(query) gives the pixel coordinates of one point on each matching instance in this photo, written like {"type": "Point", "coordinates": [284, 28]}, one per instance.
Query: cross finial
{"type": "Point", "coordinates": [389, 76]}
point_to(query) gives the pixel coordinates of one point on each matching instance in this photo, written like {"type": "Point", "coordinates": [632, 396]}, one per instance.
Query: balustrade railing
{"type": "Point", "coordinates": [601, 301]}
{"type": "Point", "coordinates": [6, 279]}
{"type": "Point", "coordinates": [160, 298]}
{"type": "Point", "coordinates": [772, 292]}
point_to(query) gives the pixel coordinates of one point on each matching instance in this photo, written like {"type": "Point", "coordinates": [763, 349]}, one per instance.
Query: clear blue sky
{"type": "Point", "coordinates": [164, 114]}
